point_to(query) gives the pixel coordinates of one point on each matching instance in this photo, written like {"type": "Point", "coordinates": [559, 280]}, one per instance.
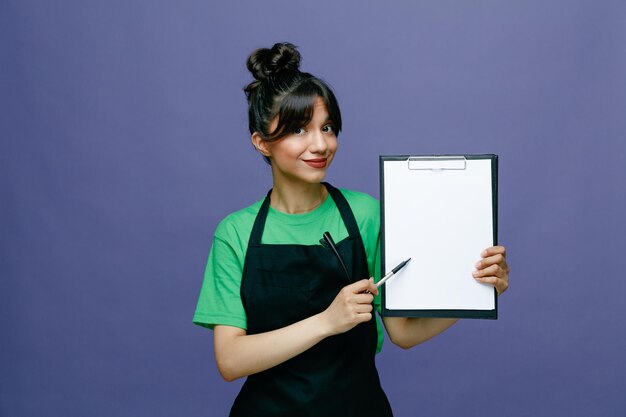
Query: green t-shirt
{"type": "Point", "coordinates": [220, 299]}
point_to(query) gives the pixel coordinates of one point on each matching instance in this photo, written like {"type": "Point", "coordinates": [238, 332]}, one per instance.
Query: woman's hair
{"type": "Point", "coordinates": [281, 91]}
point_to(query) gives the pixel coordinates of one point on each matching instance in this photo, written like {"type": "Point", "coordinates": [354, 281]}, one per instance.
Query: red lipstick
{"type": "Point", "coordinates": [317, 163]}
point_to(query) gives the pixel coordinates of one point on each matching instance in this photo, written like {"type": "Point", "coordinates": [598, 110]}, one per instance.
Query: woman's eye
{"type": "Point", "coordinates": [299, 131]}
{"type": "Point", "coordinates": [328, 128]}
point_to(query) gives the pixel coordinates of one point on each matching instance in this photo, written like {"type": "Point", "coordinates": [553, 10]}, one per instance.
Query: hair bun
{"type": "Point", "coordinates": [282, 57]}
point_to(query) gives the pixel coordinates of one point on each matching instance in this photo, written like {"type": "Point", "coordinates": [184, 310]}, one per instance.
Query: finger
{"type": "Point", "coordinates": [364, 298]}
{"type": "Point", "coordinates": [363, 308]}
{"type": "Point", "coordinates": [494, 250]}
{"type": "Point", "coordinates": [373, 288]}
{"type": "Point", "coordinates": [359, 286]}
{"type": "Point", "coordinates": [493, 270]}
{"type": "Point", "coordinates": [491, 260]}
{"type": "Point", "coordinates": [364, 317]}
{"type": "Point", "coordinates": [499, 284]}
{"type": "Point", "coordinates": [364, 285]}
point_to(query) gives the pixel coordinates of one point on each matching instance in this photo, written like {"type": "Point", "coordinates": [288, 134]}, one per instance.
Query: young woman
{"type": "Point", "coordinates": [283, 311]}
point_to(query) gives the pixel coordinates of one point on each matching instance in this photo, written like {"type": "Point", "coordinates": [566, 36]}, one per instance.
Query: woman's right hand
{"type": "Point", "coordinates": [353, 305]}
{"type": "Point", "coordinates": [239, 354]}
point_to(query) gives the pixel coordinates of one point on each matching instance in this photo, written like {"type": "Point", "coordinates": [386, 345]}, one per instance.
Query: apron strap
{"type": "Point", "coordinates": [340, 201]}
{"type": "Point", "coordinates": [259, 222]}
{"type": "Point", "coordinates": [344, 209]}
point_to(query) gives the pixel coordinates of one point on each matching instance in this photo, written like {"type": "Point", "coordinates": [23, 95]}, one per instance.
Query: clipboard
{"type": "Point", "coordinates": [441, 211]}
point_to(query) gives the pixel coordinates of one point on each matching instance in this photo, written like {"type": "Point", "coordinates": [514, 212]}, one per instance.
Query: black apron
{"type": "Point", "coordinates": [283, 284]}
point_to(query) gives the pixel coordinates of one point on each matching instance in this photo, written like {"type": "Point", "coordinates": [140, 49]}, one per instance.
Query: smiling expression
{"type": "Point", "coordinates": [304, 155]}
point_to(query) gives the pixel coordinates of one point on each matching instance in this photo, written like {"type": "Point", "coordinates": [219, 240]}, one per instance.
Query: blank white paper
{"type": "Point", "coordinates": [442, 220]}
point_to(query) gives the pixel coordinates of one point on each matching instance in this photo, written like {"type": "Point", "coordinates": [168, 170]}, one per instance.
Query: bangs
{"type": "Point", "coordinates": [296, 108]}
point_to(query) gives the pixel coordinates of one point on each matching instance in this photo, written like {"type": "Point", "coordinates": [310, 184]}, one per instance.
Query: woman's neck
{"type": "Point", "coordinates": [297, 199]}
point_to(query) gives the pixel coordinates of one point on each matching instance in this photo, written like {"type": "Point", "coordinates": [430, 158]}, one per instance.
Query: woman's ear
{"type": "Point", "coordinates": [261, 144]}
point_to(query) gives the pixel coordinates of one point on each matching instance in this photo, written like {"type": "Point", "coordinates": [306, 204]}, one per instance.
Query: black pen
{"type": "Point", "coordinates": [392, 273]}
{"type": "Point", "coordinates": [329, 240]}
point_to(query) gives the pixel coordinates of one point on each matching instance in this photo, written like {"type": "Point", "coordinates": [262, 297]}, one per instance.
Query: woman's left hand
{"type": "Point", "coordinates": [493, 269]}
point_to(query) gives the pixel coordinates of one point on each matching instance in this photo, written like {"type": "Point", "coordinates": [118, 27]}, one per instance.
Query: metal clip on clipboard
{"type": "Point", "coordinates": [436, 163]}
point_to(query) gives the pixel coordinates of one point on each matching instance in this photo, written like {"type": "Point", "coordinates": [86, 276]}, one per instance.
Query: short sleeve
{"type": "Point", "coordinates": [220, 300]}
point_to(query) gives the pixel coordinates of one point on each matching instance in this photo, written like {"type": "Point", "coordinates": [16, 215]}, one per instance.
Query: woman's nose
{"type": "Point", "coordinates": [318, 142]}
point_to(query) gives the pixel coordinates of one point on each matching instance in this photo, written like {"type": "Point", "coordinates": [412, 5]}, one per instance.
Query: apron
{"type": "Point", "coordinates": [283, 284]}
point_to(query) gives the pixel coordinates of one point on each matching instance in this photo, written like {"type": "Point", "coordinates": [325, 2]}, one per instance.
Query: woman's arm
{"type": "Point", "coordinates": [407, 332]}
{"type": "Point", "coordinates": [238, 354]}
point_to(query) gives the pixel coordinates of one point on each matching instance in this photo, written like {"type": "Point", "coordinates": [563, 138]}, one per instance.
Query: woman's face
{"type": "Point", "coordinates": [304, 155]}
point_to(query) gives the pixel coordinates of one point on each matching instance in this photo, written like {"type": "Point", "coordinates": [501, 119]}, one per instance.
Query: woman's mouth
{"type": "Point", "coordinates": [316, 163]}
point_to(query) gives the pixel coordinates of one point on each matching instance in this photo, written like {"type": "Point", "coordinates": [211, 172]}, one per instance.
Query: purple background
{"type": "Point", "coordinates": [124, 141]}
